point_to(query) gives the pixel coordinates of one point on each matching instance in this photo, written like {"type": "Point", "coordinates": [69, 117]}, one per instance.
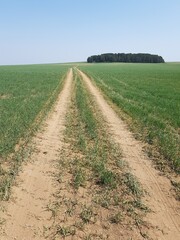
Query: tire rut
{"type": "Point", "coordinates": [26, 214]}
{"type": "Point", "coordinates": [165, 216]}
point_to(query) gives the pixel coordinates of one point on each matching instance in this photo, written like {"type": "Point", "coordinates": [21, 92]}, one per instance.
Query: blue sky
{"type": "Point", "coordinates": [48, 31]}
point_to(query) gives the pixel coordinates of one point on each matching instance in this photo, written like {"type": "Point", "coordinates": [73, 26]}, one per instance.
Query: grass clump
{"type": "Point", "coordinates": [66, 231]}
{"type": "Point", "coordinates": [79, 178]}
{"type": "Point", "coordinates": [117, 218]}
{"type": "Point", "coordinates": [107, 178]}
{"type": "Point", "coordinates": [86, 214]}
{"type": "Point", "coordinates": [132, 184]}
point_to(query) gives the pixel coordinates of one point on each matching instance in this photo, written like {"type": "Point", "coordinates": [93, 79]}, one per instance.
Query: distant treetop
{"type": "Point", "coordinates": [126, 57]}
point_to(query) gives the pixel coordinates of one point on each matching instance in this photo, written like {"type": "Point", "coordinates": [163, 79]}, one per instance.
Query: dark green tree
{"type": "Point", "coordinates": [128, 57]}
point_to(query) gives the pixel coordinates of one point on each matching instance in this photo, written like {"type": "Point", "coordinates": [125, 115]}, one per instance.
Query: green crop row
{"type": "Point", "coordinates": [149, 95]}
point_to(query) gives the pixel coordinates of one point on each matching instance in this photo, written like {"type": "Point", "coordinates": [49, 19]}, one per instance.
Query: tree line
{"type": "Point", "coordinates": [126, 57]}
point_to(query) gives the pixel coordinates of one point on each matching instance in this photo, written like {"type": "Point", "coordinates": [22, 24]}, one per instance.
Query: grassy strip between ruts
{"type": "Point", "coordinates": [10, 163]}
{"type": "Point", "coordinates": [98, 198]}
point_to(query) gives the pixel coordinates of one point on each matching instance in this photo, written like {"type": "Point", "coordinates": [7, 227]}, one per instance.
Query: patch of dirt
{"type": "Point", "coordinates": [165, 214]}
{"type": "Point", "coordinates": [27, 214]}
{"type": "Point", "coordinates": [5, 96]}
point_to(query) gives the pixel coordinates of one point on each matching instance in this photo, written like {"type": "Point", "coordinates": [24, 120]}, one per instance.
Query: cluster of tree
{"type": "Point", "coordinates": [129, 57]}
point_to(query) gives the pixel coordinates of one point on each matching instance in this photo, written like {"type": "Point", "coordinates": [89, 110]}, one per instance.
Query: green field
{"type": "Point", "coordinates": [26, 94]}
{"type": "Point", "coordinates": [90, 164]}
{"type": "Point", "coordinates": [148, 95]}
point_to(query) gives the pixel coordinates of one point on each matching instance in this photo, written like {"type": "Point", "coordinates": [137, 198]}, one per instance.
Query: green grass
{"type": "Point", "coordinates": [89, 133]}
{"type": "Point", "coordinates": [149, 96]}
{"type": "Point", "coordinates": [26, 96]}
{"type": "Point", "coordinates": [25, 93]}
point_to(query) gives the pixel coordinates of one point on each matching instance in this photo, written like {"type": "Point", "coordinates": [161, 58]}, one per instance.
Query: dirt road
{"type": "Point", "coordinates": [27, 215]}
{"type": "Point", "coordinates": [165, 215]}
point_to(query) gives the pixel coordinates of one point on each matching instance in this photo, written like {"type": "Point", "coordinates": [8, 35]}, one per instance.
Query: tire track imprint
{"type": "Point", "coordinates": [165, 215]}
{"type": "Point", "coordinates": [26, 215]}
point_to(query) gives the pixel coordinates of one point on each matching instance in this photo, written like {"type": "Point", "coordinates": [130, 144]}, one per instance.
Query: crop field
{"type": "Point", "coordinates": [26, 95]}
{"type": "Point", "coordinates": [72, 151]}
{"type": "Point", "coordinates": [148, 96]}
{"type": "Point", "coordinates": [25, 92]}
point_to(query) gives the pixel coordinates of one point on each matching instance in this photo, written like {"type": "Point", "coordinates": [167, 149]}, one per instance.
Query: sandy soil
{"type": "Point", "coordinates": [26, 213]}
{"type": "Point", "coordinates": [165, 214]}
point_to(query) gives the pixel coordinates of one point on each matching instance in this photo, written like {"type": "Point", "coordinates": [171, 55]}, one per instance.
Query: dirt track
{"type": "Point", "coordinates": [27, 216]}
{"type": "Point", "coordinates": [165, 215]}
{"type": "Point", "coordinates": [26, 213]}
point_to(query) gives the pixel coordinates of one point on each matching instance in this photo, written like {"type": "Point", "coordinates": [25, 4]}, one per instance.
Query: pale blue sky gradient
{"type": "Point", "coordinates": [50, 31]}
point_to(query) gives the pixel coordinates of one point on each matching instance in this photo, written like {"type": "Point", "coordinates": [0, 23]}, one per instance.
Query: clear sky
{"type": "Point", "coordinates": [48, 31]}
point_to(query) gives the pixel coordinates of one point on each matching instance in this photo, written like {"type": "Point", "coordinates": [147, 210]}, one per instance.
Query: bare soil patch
{"type": "Point", "coordinates": [26, 214]}
{"type": "Point", "coordinates": [165, 214]}
{"type": "Point", "coordinates": [5, 96]}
